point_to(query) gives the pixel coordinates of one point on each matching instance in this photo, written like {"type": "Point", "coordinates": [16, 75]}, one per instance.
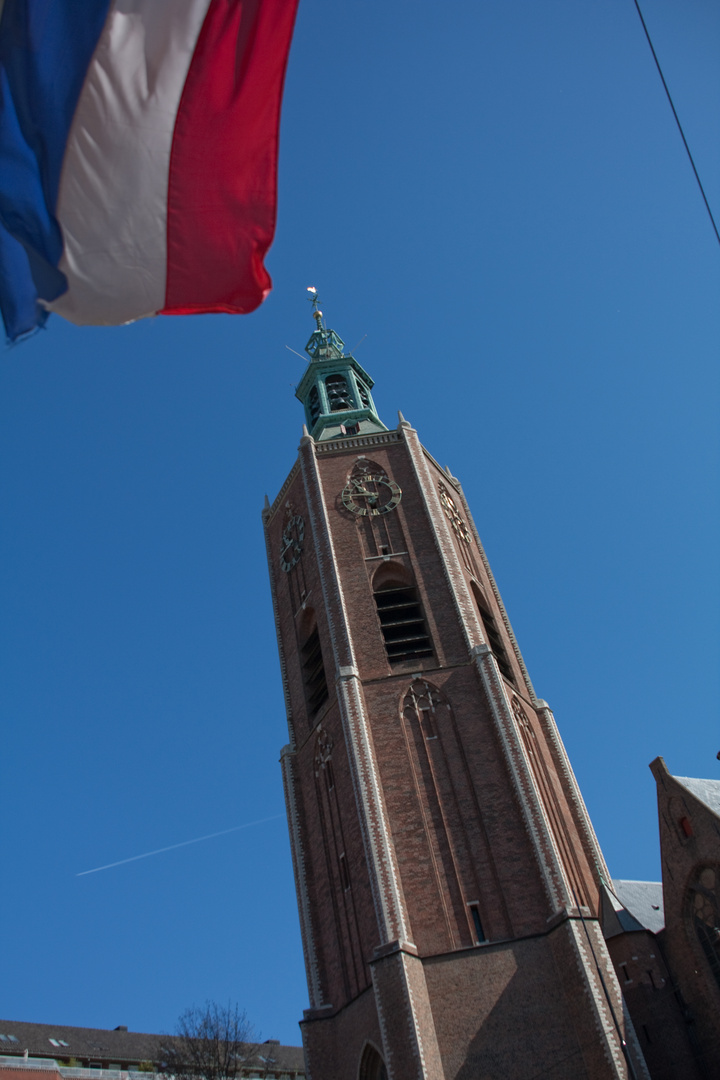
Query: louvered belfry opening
{"type": "Point", "coordinates": [338, 393]}
{"type": "Point", "coordinates": [493, 635]}
{"type": "Point", "coordinates": [316, 688]}
{"type": "Point", "coordinates": [402, 622]}
{"type": "Point", "coordinates": [314, 403]}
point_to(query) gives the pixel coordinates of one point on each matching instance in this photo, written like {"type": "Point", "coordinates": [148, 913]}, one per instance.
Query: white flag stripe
{"type": "Point", "coordinates": [112, 204]}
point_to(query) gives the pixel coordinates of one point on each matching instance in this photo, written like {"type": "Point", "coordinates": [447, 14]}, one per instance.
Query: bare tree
{"type": "Point", "coordinates": [214, 1042]}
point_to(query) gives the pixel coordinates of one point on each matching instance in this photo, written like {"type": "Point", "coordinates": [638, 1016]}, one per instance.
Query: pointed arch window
{"type": "Point", "coordinates": [338, 392]}
{"type": "Point", "coordinates": [323, 759]}
{"type": "Point", "coordinates": [372, 1066]}
{"type": "Point", "coordinates": [313, 671]}
{"type": "Point", "coordinates": [420, 707]}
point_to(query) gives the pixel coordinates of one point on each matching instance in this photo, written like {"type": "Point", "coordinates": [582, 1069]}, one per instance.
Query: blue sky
{"type": "Point", "coordinates": [497, 196]}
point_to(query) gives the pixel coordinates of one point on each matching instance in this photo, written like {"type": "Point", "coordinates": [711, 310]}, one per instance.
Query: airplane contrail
{"type": "Point", "coordinates": [171, 847]}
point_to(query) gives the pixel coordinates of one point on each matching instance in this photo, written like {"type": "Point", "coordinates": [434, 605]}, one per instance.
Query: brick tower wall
{"type": "Point", "coordinates": [425, 788]}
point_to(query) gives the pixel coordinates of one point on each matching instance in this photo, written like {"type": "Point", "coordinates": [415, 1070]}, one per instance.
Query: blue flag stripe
{"type": "Point", "coordinates": [45, 49]}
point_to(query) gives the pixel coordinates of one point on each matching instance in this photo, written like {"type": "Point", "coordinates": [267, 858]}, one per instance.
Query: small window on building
{"type": "Point", "coordinates": [403, 623]}
{"type": "Point", "coordinates": [338, 393]}
{"type": "Point", "coordinates": [316, 689]}
{"type": "Point", "coordinates": [364, 395]}
{"type": "Point", "coordinates": [479, 932]}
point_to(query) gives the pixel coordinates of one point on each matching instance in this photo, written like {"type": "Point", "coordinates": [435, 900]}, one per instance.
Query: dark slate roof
{"type": "Point", "coordinates": [707, 791]}
{"type": "Point", "coordinates": [614, 918]}
{"type": "Point", "coordinates": [114, 1046]}
{"type": "Point", "coordinates": [644, 902]}
{"type": "Point", "coordinates": [95, 1043]}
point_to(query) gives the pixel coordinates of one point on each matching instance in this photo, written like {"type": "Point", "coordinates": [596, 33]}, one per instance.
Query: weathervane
{"type": "Point", "coordinates": [315, 300]}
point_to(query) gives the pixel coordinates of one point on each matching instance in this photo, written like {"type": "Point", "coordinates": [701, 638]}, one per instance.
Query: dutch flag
{"type": "Point", "coordinates": [138, 156]}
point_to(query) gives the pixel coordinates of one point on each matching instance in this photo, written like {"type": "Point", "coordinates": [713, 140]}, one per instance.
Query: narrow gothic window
{"type": "Point", "coordinates": [316, 690]}
{"type": "Point", "coordinates": [338, 393]}
{"type": "Point", "coordinates": [427, 722]}
{"type": "Point", "coordinates": [402, 622]}
{"type": "Point", "coordinates": [493, 634]}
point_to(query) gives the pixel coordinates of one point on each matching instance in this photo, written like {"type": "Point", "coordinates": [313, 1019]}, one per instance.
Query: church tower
{"type": "Point", "coordinates": [447, 874]}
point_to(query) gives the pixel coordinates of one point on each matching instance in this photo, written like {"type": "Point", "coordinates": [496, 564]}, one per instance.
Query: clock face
{"type": "Point", "coordinates": [292, 542]}
{"type": "Point", "coordinates": [370, 495]}
{"type": "Point", "coordinates": [450, 508]}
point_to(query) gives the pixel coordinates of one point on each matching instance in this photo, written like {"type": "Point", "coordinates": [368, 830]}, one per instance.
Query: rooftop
{"type": "Point", "coordinates": [644, 901]}
{"type": "Point", "coordinates": [80, 1051]}
{"type": "Point", "coordinates": [707, 791]}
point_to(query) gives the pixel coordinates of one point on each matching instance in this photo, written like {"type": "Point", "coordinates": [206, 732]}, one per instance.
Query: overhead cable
{"type": "Point", "coordinates": [677, 120]}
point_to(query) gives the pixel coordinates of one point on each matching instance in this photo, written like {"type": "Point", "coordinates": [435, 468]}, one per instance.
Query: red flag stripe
{"type": "Point", "coordinates": [222, 187]}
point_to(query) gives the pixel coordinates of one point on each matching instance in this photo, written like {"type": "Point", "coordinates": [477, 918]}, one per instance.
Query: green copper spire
{"type": "Point", "coordinates": [335, 389]}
